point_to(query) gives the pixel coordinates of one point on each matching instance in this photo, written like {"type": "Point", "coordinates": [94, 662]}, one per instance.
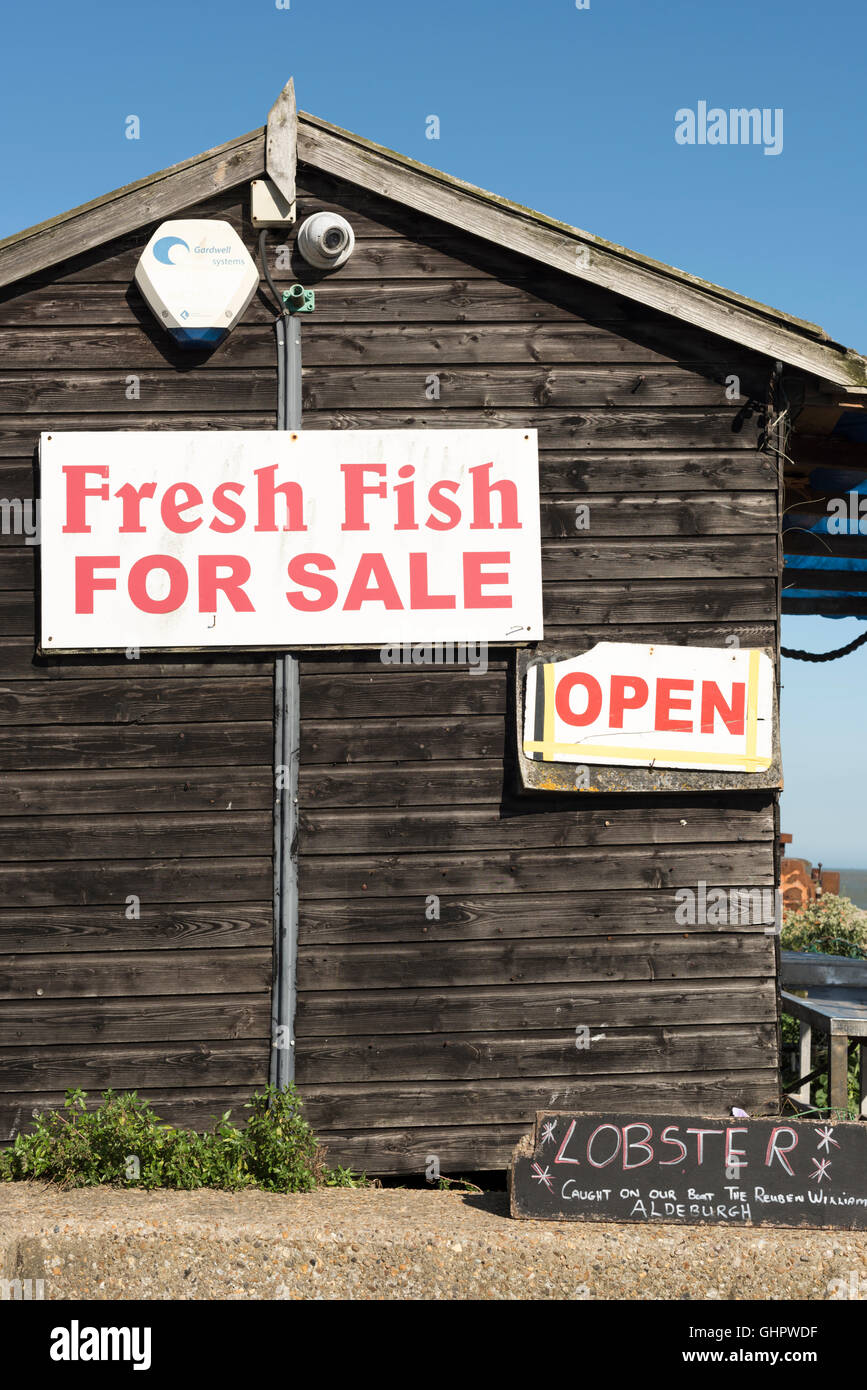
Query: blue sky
{"type": "Point", "coordinates": [568, 110]}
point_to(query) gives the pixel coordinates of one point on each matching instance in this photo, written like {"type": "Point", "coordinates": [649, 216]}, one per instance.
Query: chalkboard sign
{"type": "Point", "coordinates": [675, 1168]}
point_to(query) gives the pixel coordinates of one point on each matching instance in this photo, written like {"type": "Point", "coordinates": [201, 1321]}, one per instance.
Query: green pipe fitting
{"type": "Point", "coordinates": [298, 300]}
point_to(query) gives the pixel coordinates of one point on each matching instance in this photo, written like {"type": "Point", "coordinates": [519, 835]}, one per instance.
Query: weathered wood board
{"type": "Point", "coordinates": [691, 1171]}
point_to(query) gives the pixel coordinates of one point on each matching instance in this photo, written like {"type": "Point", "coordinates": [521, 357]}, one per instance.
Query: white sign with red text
{"type": "Point", "coordinates": [653, 706]}
{"type": "Point", "coordinates": [274, 539]}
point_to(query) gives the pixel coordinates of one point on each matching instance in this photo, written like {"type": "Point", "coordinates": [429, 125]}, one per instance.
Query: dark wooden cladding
{"type": "Point", "coordinates": [173, 700]}
{"type": "Point", "coordinates": [646, 600]}
{"type": "Point", "coordinates": [369, 785]}
{"type": "Point", "coordinates": [344, 389]}
{"type": "Point", "coordinates": [179, 1018]}
{"type": "Point", "coordinates": [159, 926]}
{"type": "Point", "coordinates": [534, 870]}
{"type": "Point", "coordinates": [75, 883]}
{"type": "Point", "coordinates": [346, 663]}
{"type": "Point", "coordinates": [406, 1057]}
{"type": "Point", "coordinates": [88, 746]}
{"type": "Point", "coordinates": [19, 436]}
{"type": "Point", "coordinates": [405, 691]}
{"type": "Point", "coordinates": [664, 514]}
{"type": "Point", "coordinates": [136, 920]}
{"type": "Point", "coordinates": [483, 827]}
{"type": "Point", "coordinates": [687, 956]}
{"type": "Point", "coordinates": [495, 916]}
{"type": "Point", "coordinates": [50, 345]}
{"type": "Point", "coordinates": [493, 1102]}
{"type": "Point", "coordinates": [534, 1007]}
{"type": "Point", "coordinates": [134, 836]}
{"type": "Point", "coordinates": [595, 428]}
{"type": "Point", "coordinates": [413, 302]}
{"type": "Point", "coordinates": [566, 470]}
{"type": "Point", "coordinates": [159, 1064]}
{"type": "Point", "coordinates": [374, 259]}
{"type": "Point", "coordinates": [102, 791]}
{"type": "Point", "coordinates": [421, 740]}
{"type": "Point", "coordinates": [20, 662]}
{"type": "Point", "coordinates": [420, 1029]}
{"type": "Point", "coordinates": [134, 974]}
{"type": "Point", "coordinates": [699, 557]}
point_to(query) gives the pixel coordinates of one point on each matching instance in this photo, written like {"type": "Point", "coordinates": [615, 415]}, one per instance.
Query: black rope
{"type": "Point", "coordinates": [824, 656]}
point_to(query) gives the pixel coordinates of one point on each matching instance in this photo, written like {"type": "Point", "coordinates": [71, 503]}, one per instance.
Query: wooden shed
{"type": "Point", "coordinates": [665, 404]}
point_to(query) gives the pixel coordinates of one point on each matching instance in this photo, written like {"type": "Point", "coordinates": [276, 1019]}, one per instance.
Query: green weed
{"type": "Point", "coordinates": [122, 1142]}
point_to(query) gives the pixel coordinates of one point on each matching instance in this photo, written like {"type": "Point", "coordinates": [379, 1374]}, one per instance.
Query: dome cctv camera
{"type": "Point", "coordinates": [326, 240]}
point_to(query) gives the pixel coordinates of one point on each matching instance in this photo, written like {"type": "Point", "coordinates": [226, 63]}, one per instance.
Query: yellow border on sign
{"type": "Point", "coordinates": [548, 706]}
{"type": "Point", "coordinates": [752, 704]}
{"type": "Point", "coordinates": [740, 762]}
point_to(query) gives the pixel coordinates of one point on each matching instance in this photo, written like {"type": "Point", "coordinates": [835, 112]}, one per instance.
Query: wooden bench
{"type": "Point", "coordinates": [836, 1004]}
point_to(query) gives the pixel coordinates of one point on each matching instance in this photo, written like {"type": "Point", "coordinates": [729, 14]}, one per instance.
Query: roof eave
{"type": "Point", "coordinates": [579, 254]}
{"type": "Point", "coordinates": [556, 245]}
{"type": "Point", "coordinates": [125, 209]}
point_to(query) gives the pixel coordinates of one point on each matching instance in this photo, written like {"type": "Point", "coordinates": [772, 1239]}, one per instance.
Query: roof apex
{"type": "Point", "coordinates": [555, 244]}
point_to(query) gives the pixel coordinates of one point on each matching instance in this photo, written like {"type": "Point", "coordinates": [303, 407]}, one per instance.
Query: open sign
{"type": "Point", "coordinates": [653, 706]}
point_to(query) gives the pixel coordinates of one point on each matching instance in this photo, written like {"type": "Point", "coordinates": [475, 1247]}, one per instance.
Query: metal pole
{"type": "Point", "coordinates": [293, 373]}
{"type": "Point", "coordinates": [287, 741]}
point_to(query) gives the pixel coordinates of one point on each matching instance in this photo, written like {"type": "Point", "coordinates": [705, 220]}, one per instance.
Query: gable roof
{"type": "Point", "coordinates": [379, 170]}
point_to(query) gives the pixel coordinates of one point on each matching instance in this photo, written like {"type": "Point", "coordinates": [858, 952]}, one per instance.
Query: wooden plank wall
{"type": "Point", "coordinates": [415, 1036]}
{"type": "Point", "coordinates": [122, 777]}
{"type": "Point", "coordinates": [421, 1037]}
